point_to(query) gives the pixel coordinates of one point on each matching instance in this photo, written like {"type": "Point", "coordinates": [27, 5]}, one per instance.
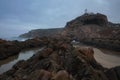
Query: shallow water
{"type": "Point", "coordinates": [107, 58]}
{"type": "Point", "coordinates": [7, 64]}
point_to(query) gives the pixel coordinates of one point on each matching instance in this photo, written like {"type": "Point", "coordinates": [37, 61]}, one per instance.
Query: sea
{"type": "Point", "coordinates": [15, 38]}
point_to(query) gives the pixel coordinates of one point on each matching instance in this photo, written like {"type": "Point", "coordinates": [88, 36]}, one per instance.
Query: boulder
{"type": "Point", "coordinates": [62, 75]}
{"type": "Point", "coordinates": [40, 75]}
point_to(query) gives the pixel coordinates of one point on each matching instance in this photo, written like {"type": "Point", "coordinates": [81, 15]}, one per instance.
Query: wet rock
{"type": "Point", "coordinates": [55, 57]}
{"type": "Point", "coordinates": [21, 64]}
{"type": "Point", "coordinates": [88, 52]}
{"type": "Point", "coordinates": [10, 48]}
{"type": "Point", "coordinates": [113, 73]}
{"type": "Point", "coordinates": [59, 60]}
{"type": "Point", "coordinates": [62, 75]}
{"type": "Point", "coordinates": [46, 52]}
{"type": "Point", "coordinates": [40, 75]}
{"type": "Point", "coordinates": [88, 55]}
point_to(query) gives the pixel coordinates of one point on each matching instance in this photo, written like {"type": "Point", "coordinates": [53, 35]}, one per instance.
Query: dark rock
{"type": "Point", "coordinates": [63, 63]}
{"type": "Point", "coordinates": [113, 73]}
{"type": "Point", "coordinates": [40, 75]}
{"type": "Point", "coordinates": [10, 48]}
{"type": "Point", "coordinates": [62, 75]}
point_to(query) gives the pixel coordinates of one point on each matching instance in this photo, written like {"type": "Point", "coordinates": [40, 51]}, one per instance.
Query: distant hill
{"type": "Point", "coordinates": [42, 32]}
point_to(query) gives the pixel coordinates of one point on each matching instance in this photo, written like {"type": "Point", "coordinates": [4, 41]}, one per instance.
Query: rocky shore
{"type": "Point", "coordinates": [60, 60]}
{"type": "Point", "coordinates": [10, 48]}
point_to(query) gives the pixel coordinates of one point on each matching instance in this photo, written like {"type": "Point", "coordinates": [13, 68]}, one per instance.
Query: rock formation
{"type": "Point", "coordinates": [59, 60]}
{"type": "Point", "coordinates": [90, 28]}
{"type": "Point", "coordinates": [94, 29]}
{"type": "Point", "coordinates": [10, 48]}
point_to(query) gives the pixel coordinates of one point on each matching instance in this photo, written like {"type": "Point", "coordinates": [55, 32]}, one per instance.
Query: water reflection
{"type": "Point", "coordinates": [7, 64]}
{"type": "Point", "coordinates": [8, 60]}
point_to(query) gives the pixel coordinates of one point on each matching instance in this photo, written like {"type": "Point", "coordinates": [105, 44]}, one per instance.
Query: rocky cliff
{"type": "Point", "coordinates": [94, 29]}
{"type": "Point", "coordinates": [92, 26]}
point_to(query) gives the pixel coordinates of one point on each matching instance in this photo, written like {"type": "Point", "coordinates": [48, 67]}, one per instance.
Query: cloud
{"type": "Point", "coordinates": [18, 16]}
{"type": "Point", "coordinates": [101, 2]}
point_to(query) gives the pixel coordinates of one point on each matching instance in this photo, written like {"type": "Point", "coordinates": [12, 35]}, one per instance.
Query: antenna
{"type": "Point", "coordinates": [86, 11]}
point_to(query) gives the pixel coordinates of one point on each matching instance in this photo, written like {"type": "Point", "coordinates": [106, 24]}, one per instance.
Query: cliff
{"type": "Point", "coordinates": [92, 26]}
{"type": "Point", "coordinates": [94, 29]}
{"type": "Point", "coordinates": [89, 28]}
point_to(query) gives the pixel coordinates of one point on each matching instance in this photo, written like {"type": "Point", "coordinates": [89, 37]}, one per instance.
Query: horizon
{"type": "Point", "coordinates": [34, 14]}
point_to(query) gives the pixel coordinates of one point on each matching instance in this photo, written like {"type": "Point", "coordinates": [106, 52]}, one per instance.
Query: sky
{"type": "Point", "coordinates": [20, 16]}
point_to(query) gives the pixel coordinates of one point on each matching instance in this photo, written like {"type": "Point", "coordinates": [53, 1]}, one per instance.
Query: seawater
{"type": "Point", "coordinates": [15, 38]}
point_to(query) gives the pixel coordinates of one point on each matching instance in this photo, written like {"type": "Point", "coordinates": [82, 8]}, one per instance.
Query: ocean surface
{"type": "Point", "coordinates": [15, 38]}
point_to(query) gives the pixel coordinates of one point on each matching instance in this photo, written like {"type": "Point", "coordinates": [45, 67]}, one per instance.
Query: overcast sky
{"type": "Point", "coordinates": [20, 16]}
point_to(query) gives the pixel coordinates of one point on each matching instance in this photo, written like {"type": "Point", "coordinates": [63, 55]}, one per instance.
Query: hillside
{"type": "Point", "coordinates": [41, 32]}
{"type": "Point", "coordinates": [92, 26]}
